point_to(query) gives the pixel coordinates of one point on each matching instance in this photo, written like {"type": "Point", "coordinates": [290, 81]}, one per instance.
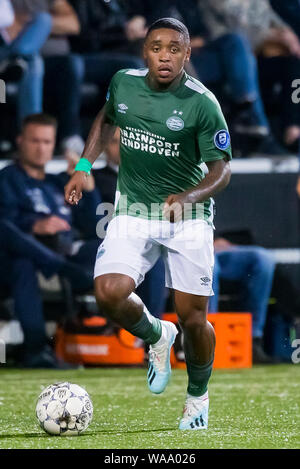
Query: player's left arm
{"type": "Point", "coordinates": [215, 150]}
{"type": "Point", "coordinates": [216, 180]}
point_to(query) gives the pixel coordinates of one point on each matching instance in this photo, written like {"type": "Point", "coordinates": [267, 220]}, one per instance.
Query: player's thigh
{"type": "Point", "coordinates": [126, 251]}
{"type": "Point", "coordinates": [189, 260]}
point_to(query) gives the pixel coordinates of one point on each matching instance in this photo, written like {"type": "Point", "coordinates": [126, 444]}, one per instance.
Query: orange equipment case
{"type": "Point", "coordinates": [119, 348]}
{"type": "Point", "coordinates": [233, 344]}
{"type": "Point", "coordinates": [233, 339]}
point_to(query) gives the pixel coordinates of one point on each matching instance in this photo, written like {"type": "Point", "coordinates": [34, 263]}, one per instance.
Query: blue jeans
{"type": "Point", "coordinates": [19, 280]}
{"type": "Point", "coordinates": [27, 45]}
{"type": "Point", "coordinates": [229, 60]}
{"type": "Point", "coordinates": [30, 92]}
{"type": "Point", "coordinates": [254, 268]}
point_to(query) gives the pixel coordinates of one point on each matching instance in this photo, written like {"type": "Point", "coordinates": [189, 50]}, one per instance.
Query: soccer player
{"type": "Point", "coordinates": [170, 124]}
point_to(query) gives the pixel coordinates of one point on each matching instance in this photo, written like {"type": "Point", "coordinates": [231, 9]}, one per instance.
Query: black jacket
{"type": "Point", "coordinates": [102, 25]}
{"type": "Point", "coordinates": [186, 11]}
{"type": "Point", "coordinates": [106, 183]}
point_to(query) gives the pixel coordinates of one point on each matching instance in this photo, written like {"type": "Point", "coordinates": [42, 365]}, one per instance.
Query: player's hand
{"type": "Point", "coordinates": [174, 206]}
{"type": "Point", "coordinates": [50, 225]}
{"type": "Point", "coordinates": [74, 188]}
{"type": "Point", "coordinates": [72, 160]}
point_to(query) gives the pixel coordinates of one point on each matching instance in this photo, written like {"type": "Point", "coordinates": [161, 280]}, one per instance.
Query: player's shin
{"type": "Point", "coordinates": [148, 328]}
{"type": "Point", "coordinates": [199, 347]}
{"type": "Point", "coordinates": [199, 350]}
{"type": "Point", "coordinates": [160, 335]}
{"type": "Point", "coordinates": [198, 377]}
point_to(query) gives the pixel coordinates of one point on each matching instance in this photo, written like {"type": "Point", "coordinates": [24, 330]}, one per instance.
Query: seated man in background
{"type": "Point", "coordinates": [152, 290]}
{"type": "Point", "coordinates": [253, 267]}
{"type": "Point", "coordinates": [38, 231]}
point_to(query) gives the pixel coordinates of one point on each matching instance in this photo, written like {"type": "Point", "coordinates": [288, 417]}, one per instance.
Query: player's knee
{"type": "Point", "coordinates": [195, 319]}
{"type": "Point", "coordinates": [106, 292]}
{"type": "Point", "coordinates": [110, 293]}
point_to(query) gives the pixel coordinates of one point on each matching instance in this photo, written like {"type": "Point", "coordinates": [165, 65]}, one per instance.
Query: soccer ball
{"type": "Point", "coordinates": [64, 409]}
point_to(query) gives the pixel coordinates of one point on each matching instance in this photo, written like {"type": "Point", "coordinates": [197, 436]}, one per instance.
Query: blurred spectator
{"type": "Point", "coordinates": [152, 290]}
{"type": "Point", "coordinates": [23, 38]}
{"type": "Point", "coordinates": [289, 12]}
{"type": "Point", "coordinates": [279, 63]}
{"type": "Point", "coordinates": [105, 27]}
{"type": "Point", "coordinates": [224, 61]}
{"type": "Point", "coordinates": [38, 233]}
{"type": "Point", "coordinates": [108, 41]}
{"type": "Point", "coordinates": [277, 47]}
{"type": "Point", "coordinates": [151, 11]}
{"type": "Point", "coordinates": [7, 14]}
{"type": "Point", "coordinates": [62, 95]}
{"type": "Point", "coordinates": [253, 267]}
{"type": "Point", "coordinates": [60, 98]}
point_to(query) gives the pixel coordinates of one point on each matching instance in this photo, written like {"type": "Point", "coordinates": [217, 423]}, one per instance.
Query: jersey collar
{"type": "Point", "coordinates": [176, 83]}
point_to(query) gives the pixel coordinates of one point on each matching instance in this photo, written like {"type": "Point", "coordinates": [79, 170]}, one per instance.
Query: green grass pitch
{"type": "Point", "coordinates": [254, 408]}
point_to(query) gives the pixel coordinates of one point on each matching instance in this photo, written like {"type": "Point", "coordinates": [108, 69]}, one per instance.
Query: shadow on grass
{"type": "Point", "coordinates": [85, 434]}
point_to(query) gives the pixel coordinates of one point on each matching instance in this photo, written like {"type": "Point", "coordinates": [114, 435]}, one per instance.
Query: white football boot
{"type": "Point", "coordinates": [195, 413]}
{"type": "Point", "coordinates": [159, 370]}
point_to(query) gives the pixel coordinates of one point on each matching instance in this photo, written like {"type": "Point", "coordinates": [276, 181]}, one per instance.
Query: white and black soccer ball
{"type": "Point", "coordinates": [64, 409]}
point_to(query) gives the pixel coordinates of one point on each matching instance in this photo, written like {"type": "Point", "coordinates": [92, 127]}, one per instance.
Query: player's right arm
{"type": "Point", "coordinates": [100, 134]}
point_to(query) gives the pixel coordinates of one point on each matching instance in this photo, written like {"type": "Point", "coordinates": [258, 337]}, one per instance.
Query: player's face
{"type": "Point", "coordinates": [36, 144]}
{"type": "Point", "coordinates": [166, 53]}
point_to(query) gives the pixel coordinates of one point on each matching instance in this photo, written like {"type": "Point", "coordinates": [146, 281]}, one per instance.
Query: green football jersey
{"type": "Point", "coordinates": [165, 136]}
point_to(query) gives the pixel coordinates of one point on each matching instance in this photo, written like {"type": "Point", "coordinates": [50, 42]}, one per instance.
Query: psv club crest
{"type": "Point", "coordinates": [175, 122]}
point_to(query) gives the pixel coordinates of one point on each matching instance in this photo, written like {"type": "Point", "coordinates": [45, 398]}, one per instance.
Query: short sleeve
{"type": "Point", "coordinates": [212, 131]}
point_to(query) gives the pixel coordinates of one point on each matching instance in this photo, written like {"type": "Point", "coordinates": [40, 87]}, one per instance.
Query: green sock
{"type": "Point", "coordinates": [198, 377]}
{"type": "Point", "coordinates": [148, 328]}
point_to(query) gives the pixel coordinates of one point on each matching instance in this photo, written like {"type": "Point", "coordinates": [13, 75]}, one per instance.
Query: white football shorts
{"type": "Point", "coordinates": [132, 246]}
